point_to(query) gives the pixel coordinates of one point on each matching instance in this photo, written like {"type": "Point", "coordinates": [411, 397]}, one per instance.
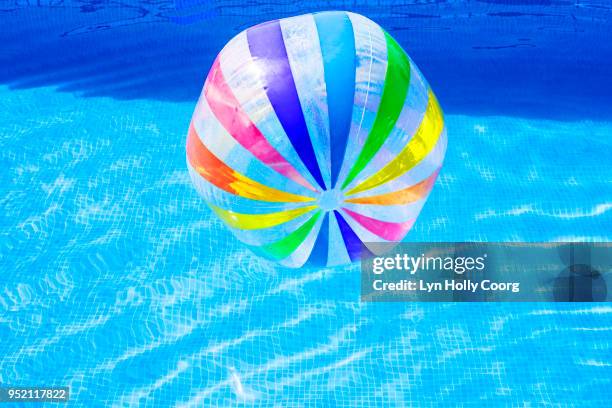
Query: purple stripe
{"type": "Point", "coordinates": [268, 48]}
{"type": "Point", "coordinates": [352, 242]}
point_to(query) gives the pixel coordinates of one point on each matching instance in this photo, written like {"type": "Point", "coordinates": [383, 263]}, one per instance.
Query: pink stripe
{"type": "Point", "coordinates": [226, 108]}
{"type": "Point", "coordinates": [391, 231]}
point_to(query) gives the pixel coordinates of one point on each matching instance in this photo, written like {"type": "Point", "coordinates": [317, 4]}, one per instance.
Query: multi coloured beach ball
{"type": "Point", "coordinates": [315, 136]}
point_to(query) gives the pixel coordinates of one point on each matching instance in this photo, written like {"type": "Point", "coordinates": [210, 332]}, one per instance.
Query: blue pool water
{"type": "Point", "coordinates": [117, 281]}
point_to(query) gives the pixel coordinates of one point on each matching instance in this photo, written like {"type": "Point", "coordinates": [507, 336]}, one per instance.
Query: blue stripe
{"type": "Point", "coordinates": [318, 256]}
{"type": "Point", "coordinates": [353, 244]}
{"type": "Point", "coordinates": [338, 51]}
{"type": "Point", "coordinates": [268, 47]}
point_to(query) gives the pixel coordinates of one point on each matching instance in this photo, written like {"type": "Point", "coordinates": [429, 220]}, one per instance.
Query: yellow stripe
{"type": "Point", "coordinates": [259, 221]}
{"type": "Point", "coordinates": [416, 150]}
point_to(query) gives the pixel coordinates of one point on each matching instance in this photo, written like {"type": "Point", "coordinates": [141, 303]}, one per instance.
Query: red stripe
{"type": "Point", "coordinates": [230, 114]}
{"type": "Point", "coordinates": [391, 231]}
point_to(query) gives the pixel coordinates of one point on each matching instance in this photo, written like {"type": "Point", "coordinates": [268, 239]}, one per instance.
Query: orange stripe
{"type": "Point", "coordinates": [405, 196]}
{"type": "Point", "coordinates": [221, 175]}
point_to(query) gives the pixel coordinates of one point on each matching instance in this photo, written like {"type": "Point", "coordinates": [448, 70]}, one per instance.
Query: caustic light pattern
{"type": "Point", "coordinates": [314, 134]}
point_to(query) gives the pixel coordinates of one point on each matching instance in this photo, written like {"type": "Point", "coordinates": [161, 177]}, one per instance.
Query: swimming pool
{"type": "Point", "coordinates": [118, 282]}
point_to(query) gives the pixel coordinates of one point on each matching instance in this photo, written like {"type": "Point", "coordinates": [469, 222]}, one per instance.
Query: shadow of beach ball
{"type": "Point", "coordinates": [580, 283]}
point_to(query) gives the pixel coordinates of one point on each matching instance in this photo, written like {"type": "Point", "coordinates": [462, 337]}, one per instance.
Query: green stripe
{"type": "Point", "coordinates": [283, 248]}
{"type": "Point", "coordinates": [397, 79]}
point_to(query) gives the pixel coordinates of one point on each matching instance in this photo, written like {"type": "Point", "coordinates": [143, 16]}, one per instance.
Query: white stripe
{"type": "Point", "coordinates": [336, 250]}
{"type": "Point", "coordinates": [244, 77]}
{"type": "Point", "coordinates": [211, 133]}
{"type": "Point", "coordinates": [388, 213]}
{"type": "Point", "coordinates": [304, 53]}
{"type": "Point", "coordinates": [302, 252]}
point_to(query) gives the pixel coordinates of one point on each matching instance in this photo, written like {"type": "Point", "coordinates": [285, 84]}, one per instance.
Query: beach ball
{"type": "Point", "coordinates": [315, 136]}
